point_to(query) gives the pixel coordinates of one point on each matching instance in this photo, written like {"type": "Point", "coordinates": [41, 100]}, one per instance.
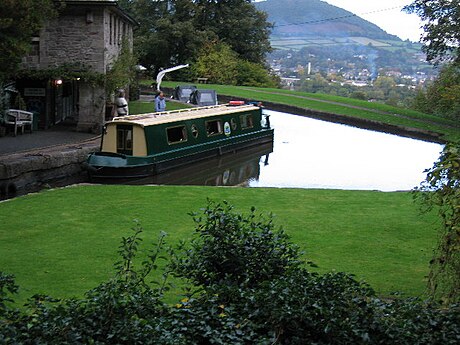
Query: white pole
{"type": "Point", "coordinates": [162, 73]}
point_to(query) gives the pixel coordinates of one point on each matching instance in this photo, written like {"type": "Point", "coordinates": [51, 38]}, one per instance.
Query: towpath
{"type": "Point", "coordinates": [56, 135]}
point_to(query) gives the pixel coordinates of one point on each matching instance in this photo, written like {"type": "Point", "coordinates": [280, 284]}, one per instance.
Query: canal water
{"type": "Point", "coordinates": [309, 153]}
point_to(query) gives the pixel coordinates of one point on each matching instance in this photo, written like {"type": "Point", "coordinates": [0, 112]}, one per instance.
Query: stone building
{"type": "Point", "coordinates": [85, 36]}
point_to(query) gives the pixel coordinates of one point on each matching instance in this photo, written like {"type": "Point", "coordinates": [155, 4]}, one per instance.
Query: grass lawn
{"type": "Point", "coordinates": [139, 107]}
{"type": "Point", "coordinates": [64, 242]}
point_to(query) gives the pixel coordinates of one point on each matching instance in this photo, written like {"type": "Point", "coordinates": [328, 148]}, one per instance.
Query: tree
{"type": "Point", "coordinates": [442, 97]}
{"type": "Point", "coordinates": [19, 21]}
{"type": "Point", "coordinates": [237, 23]}
{"type": "Point", "coordinates": [252, 74]}
{"type": "Point", "coordinates": [218, 63]}
{"type": "Point", "coordinates": [173, 32]}
{"type": "Point", "coordinates": [442, 20]}
{"type": "Point", "coordinates": [441, 190]}
{"type": "Point", "coordinates": [122, 73]}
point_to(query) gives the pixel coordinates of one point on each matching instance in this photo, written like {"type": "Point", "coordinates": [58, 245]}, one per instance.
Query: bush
{"type": "Point", "coordinates": [266, 296]}
{"type": "Point", "coordinates": [235, 249]}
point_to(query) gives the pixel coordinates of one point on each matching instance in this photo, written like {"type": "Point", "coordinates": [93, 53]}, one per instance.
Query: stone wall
{"type": "Point", "coordinates": [76, 36]}
{"type": "Point", "coordinates": [92, 108]}
{"type": "Point", "coordinates": [34, 170]}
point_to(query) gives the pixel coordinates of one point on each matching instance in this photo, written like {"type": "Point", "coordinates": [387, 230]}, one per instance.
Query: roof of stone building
{"type": "Point", "coordinates": [114, 3]}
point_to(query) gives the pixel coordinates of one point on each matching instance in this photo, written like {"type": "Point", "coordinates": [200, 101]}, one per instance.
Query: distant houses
{"type": "Point", "coordinates": [59, 80]}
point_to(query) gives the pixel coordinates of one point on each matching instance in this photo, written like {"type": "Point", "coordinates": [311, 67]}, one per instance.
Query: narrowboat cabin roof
{"type": "Point", "coordinates": [152, 119]}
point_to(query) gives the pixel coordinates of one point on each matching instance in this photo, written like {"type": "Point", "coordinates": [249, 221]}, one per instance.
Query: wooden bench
{"type": "Point", "coordinates": [19, 119]}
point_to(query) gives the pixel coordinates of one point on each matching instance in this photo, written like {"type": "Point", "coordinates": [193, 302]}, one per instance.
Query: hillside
{"type": "Point", "coordinates": [316, 18]}
{"type": "Point", "coordinates": [312, 36]}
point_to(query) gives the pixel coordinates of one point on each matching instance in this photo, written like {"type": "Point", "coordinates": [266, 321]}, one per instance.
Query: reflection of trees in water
{"type": "Point", "coordinates": [237, 175]}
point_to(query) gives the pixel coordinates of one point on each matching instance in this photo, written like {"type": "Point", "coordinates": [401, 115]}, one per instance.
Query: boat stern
{"type": "Point", "coordinates": [116, 165]}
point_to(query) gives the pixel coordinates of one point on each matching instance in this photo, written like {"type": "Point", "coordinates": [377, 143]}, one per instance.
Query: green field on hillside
{"type": "Point", "coordinates": [64, 242]}
{"type": "Point", "coordinates": [297, 43]}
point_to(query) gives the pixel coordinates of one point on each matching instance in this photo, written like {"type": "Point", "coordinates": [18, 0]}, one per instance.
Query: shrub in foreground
{"type": "Point", "coordinates": [269, 297]}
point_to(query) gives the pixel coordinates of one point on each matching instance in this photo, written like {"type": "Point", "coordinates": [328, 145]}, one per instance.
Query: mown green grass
{"type": "Point", "coordinates": [408, 118]}
{"type": "Point", "coordinates": [63, 242]}
{"type": "Point", "coordinates": [141, 107]}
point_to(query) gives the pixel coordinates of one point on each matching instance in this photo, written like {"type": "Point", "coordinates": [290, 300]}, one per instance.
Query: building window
{"type": "Point", "coordinates": [119, 32]}
{"type": "Point", "coordinates": [246, 121]}
{"type": "Point", "coordinates": [176, 134]}
{"type": "Point", "coordinates": [114, 31]}
{"type": "Point", "coordinates": [213, 127]}
{"type": "Point", "coordinates": [110, 29]}
{"type": "Point", "coordinates": [35, 48]}
{"type": "Point", "coordinates": [125, 139]}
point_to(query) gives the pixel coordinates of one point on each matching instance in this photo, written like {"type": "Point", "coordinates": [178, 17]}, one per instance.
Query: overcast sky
{"type": "Point", "coordinates": [386, 14]}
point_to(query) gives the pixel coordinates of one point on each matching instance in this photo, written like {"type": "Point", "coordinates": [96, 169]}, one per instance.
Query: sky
{"type": "Point", "coordinates": [386, 14]}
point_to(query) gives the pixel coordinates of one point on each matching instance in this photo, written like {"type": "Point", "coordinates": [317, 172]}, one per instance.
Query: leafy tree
{"type": "Point", "coordinates": [441, 190]}
{"type": "Point", "coordinates": [167, 34]}
{"type": "Point", "coordinates": [122, 73]}
{"type": "Point", "coordinates": [218, 62]}
{"type": "Point", "coordinates": [442, 43]}
{"type": "Point", "coordinates": [252, 74]}
{"type": "Point", "coordinates": [442, 97]}
{"type": "Point", "coordinates": [442, 20]}
{"type": "Point", "coordinates": [237, 23]}
{"type": "Point", "coordinates": [19, 21]}
{"type": "Point", "coordinates": [175, 31]}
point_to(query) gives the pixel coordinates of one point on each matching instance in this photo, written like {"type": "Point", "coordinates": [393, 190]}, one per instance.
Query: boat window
{"type": "Point", "coordinates": [194, 130]}
{"type": "Point", "coordinates": [233, 124]}
{"type": "Point", "coordinates": [125, 139]}
{"type": "Point", "coordinates": [213, 127]}
{"type": "Point", "coordinates": [246, 121]}
{"type": "Point", "coordinates": [176, 134]}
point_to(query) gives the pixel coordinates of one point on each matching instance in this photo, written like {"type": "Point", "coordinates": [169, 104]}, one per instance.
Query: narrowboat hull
{"type": "Point", "coordinates": [229, 169]}
{"type": "Point", "coordinates": [107, 165]}
{"type": "Point", "coordinates": [138, 146]}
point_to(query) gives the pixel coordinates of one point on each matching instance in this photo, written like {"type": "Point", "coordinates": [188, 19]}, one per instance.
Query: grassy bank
{"type": "Point", "coordinates": [64, 242]}
{"type": "Point", "coordinates": [140, 107]}
{"type": "Point", "coordinates": [343, 106]}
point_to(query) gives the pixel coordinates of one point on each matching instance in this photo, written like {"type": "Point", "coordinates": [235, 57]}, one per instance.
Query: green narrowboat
{"type": "Point", "coordinates": [137, 146]}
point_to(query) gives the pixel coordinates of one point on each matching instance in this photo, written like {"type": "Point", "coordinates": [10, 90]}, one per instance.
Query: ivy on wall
{"type": "Point", "coordinates": [120, 75]}
{"type": "Point", "coordinates": [123, 71]}
{"type": "Point", "coordinates": [66, 71]}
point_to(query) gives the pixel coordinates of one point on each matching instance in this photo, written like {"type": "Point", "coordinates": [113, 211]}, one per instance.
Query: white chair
{"type": "Point", "coordinates": [19, 119]}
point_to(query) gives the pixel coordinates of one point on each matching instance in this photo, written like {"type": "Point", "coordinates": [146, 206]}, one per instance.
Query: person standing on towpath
{"type": "Point", "coordinates": [160, 102]}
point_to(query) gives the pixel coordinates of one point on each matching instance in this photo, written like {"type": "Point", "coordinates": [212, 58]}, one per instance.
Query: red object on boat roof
{"type": "Point", "coordinates": [236, 103]}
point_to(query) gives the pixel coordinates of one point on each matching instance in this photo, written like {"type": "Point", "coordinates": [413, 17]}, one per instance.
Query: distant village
{"type": "Point", "coordinates": [360, 71]}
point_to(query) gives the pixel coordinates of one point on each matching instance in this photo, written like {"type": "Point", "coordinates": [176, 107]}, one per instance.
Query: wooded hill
{"type": "Point", "coordinates": [316, 18]}
{"type": "Point", "coordinates": [316, 24]}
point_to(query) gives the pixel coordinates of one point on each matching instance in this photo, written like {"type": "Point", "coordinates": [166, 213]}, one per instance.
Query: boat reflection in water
{"type": "Point", "coordinates": [231, 169]}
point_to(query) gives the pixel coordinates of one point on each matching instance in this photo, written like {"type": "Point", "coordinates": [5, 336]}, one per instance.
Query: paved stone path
{"type": "Point", "coordinates": [57, 135]}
